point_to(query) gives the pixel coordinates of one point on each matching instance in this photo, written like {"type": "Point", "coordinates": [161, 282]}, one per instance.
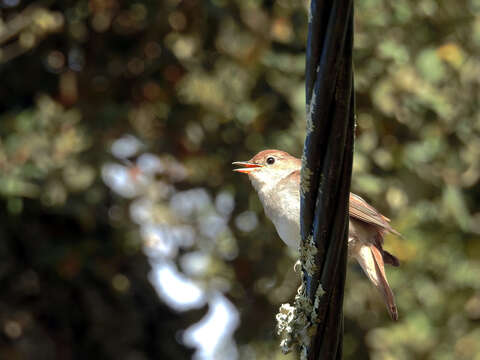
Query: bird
{"type": "Point", "coordinates": [275, 175]}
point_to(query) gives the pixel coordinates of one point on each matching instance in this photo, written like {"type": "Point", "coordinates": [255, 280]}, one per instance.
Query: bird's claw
{"type": "Point", "coordinates": [298, 266]}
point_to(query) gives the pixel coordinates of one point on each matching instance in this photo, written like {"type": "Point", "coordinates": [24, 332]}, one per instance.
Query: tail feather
{"type": "Point", "coordinates": [390, 259]}
{"type": "Point", "coordinates": [370, 259]}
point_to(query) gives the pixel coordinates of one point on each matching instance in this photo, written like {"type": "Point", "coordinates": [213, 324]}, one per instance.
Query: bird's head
{"type": "Point", "coordinates": [268, 167]}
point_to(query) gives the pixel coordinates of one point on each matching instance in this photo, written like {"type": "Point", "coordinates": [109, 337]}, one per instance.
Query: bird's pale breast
{"type": "Point", "coordinates": [286, 218]}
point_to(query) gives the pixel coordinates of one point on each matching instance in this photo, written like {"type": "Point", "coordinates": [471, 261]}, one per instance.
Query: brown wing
{"type": "Point", "coordinates": [359, 209]}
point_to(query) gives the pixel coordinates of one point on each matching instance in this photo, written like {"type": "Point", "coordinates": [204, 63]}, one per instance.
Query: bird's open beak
{"type": "Point", "coordinates": [247, 166]}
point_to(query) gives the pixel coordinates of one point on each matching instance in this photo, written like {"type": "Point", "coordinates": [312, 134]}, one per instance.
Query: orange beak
{"type": "Point", "coordinates": [247, 166]}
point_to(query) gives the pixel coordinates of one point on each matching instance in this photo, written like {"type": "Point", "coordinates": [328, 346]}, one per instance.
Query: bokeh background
{"type": "Point", "coordinates": [125, 234]}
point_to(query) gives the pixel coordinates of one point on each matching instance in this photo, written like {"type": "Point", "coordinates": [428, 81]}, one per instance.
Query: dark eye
{"type": "Point", "coordinates": [270, 160]}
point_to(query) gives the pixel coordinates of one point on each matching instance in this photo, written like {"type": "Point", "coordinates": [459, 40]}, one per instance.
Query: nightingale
{"type": "Point", "coordinates": [275, 175]}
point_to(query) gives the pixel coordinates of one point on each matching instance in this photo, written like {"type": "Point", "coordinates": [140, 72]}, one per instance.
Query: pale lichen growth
{"type": "Point", "coordinates": [320, 182]}
{"type": "Point", "coordinates": [310, 112]}
{"type": "Point", "coordinates": [285, 326]}
{"type": "Point", "coordinates": [293, 323]}
{"type": "Point", "coordinates": [297, 324]}
{"type": "Point", "coordinates": [303, 353]}
{"type": "Point", "coordinates": [305, 182]}
{"type": "Point", "coordinates": [308, 251]}
{"type": "Point", "coordinates": [316, 304]}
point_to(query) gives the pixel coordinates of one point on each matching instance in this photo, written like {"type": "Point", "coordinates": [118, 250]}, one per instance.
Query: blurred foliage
{"type": "Point", "coordinates": [202, 84]}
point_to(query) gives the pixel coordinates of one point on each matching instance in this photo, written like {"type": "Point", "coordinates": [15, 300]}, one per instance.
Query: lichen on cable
{"type": "Point", "coordinates": [293, 322]}
{"type": "Point", "coordinates": [310, 110]}
{"type": "Point", "coordinates": [305, 180]}
{"type": "Point", "coordinates": [316, 303]}
{"type": "Point", "coordinates": [308, 252]}
{"type": "Point", "coordinates": [296, 324]}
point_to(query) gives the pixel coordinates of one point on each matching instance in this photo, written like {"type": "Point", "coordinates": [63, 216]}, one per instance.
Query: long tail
{"type": "Point", "coordinates": [371, 260]}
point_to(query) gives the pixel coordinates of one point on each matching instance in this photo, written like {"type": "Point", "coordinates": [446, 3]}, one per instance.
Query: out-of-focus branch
{"type": "Point", "coordinates": [25, 30]}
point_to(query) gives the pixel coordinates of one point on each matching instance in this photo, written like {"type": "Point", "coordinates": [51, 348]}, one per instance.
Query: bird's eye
{"type": "Point", "coordinates": [270, 160]}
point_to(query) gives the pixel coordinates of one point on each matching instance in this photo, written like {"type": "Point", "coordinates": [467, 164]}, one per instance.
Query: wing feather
{"type": "Point", "coordinates": [361, 210]}
{"type": "Point", "coordinates": [358, 209]}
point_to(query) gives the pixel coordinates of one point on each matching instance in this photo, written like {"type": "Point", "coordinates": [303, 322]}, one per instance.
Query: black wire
{"type": "Point", "coordinates": [328, 153]}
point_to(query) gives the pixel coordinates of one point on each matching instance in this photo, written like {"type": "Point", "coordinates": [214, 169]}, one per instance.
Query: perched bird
{"type": "Point", "coordinates": [275, 175]}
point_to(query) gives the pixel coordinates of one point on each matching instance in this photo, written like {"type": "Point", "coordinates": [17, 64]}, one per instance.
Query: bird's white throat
{"type": "Point", "coordinates": [281, 206]}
